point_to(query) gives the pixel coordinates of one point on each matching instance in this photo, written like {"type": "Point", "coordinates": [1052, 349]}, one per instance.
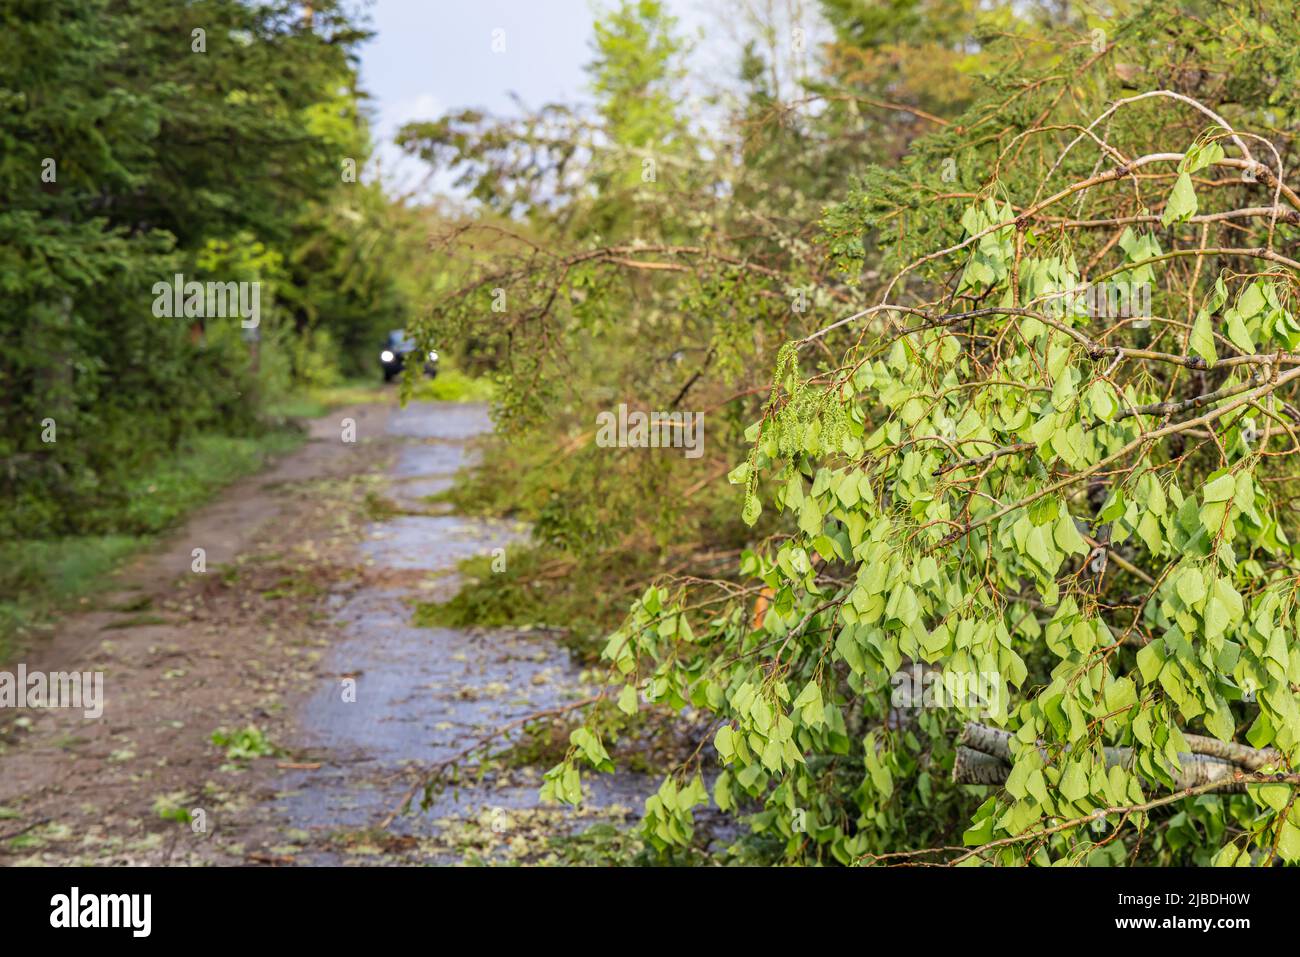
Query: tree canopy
{"type": "Point", "coordinates": [140, 140]}
{"type": "Point", "coordinates": [994, 334]}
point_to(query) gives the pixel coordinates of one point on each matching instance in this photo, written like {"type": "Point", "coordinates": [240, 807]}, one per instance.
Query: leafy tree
{"type": "Point", "coordinates": [1031, 584]}
{"type": "Point", "coordinates": [141, 140]}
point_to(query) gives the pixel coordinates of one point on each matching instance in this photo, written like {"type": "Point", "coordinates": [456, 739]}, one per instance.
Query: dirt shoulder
{"type": "Point", "coordinates": [184, 653]}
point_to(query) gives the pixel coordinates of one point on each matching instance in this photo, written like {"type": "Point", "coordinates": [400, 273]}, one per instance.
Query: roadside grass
{"type": "Point", "coordinates": [40, 578]}
{"type": "Point", "coordinates": [315, 401]}
{"type": "Point", "coordinates": [452, 385]}
{"type": "Point", "coordinates": [568, 583]}
{"type": "Point", "coordinates": [541, 589]}
{"type": "Point", "coordinates": [177, 485]}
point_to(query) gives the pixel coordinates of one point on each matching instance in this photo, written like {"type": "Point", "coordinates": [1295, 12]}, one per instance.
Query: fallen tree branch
{"type": "Point", "coordinates": [989, 457]}
{"type": "Point", "coordinates": [1124, 811]}
{"type": "Point", "coordinates": [1252, 759]}
{"type": "Point", "coordinates": [431, 777]}
{"type": "Point", "coordinates": [1173, 408]}
{"type": "Point", "coordinates": [976, 767]}
{"type": "Point", "coordinates": [984, 756]}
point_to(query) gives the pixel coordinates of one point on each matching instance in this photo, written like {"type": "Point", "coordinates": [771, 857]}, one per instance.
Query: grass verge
{"type": "Point", "coordinates": [315, 401]}
{"type": "Point", "coordinates": [452, 385]}
{"type": "Point", "coordinates": [40, 578]}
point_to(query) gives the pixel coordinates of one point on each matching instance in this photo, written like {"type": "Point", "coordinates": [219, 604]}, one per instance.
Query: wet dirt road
{"type": "Point", "coordinates": [305, 632]}
{"type": "Point", "coordinates": [423, 694]}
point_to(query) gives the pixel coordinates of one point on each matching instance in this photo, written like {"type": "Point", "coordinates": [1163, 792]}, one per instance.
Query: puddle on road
{"type": "Point", "coordinates": [424, 694]}
{"type": "Point", "coordinates": [434, 542]}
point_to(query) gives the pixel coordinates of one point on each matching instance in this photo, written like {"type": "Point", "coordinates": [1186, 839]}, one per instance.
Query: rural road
{"type": "Point", "coordinates": [425, 694]}
{"type": "Point", "coordinates": [300, 627]}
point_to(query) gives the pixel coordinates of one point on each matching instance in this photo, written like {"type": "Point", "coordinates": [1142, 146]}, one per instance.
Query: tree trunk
{"type": "Point", "coordinates": [984, 757]}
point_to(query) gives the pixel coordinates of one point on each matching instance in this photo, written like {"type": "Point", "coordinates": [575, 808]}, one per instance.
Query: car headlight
{"type": "Point", "coordinates": [433, 356]}
{"type": "Point", "coordinates": [385, 356]}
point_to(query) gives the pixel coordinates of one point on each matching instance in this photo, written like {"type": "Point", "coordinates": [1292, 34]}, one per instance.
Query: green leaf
{"type": "Point", "coordinates": [811, 692]}
{"type": "Point", "coordinates": [1150, 659]}
{"type": "Point", "coordinates": [1276, 796]}
{"type": "Point", "coordinates": [1182, 201]}
{"type": "Point", "coordinates": [722, 791]}
{"type": "Point", "coordinates": [1067, 536]}
{"type": "Point", "coordinates": [1288, 842]}
{"type": "Point", "coordinates": [1120, 694]}
{"type": "Point", "coordinates": [1101, 401]}
{"type": "Point", "coordinates": [772, 753]}
{"type": "Point", "coordinates": [1150, 530]}
{"type": "Point", "coordinates": [812, 713]}
{"type": "Point", "coordinates": [1201, 340]}
{"type": "Point", "coordinates": [1063, 392]}
{"type": "Point", "coordinates": [1200, 156]}
{"type": "Point", "coordinates": [810, 517]}
{"type": "Point", "coordinates": [1015, 783]}
{"type": "Point", "coordinates": [1074, 783]}
{"type": "Point", "coordinates": [1237, 332]}
{"type": "Point", "coordinates": [1037, 786]}
{"type": "Point", "coordinates": [1191, 586]}
{"type": "Point", "coordinates": [1228, 855]}
{"type": "Point", "coordinates": [590, 745]}
{"type": "Point", "coordinates": [1219, 723]}
{"type": "Point", "coordinates": [1221, 489]}
{"type": "Point", "coordinates": [1261, 732]}
{"type": "Point", "coordinates": [1036, 545]}
{"type": "Point", "coordinates": [627, 701]}
{"type": "Point", "coordinates": [724, 742]}
{"type": "Point", "coordinates": [1217, 618]}
{"type": "Point", "coordinates": [980, 833]}
{"type": "Point", "coordinates": [1251, 302]}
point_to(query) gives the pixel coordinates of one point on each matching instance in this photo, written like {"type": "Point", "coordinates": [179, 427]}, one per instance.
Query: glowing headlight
{"type": "Point", "coordinates": [433, 356]}
{"type": "Point", "coordinates": [386, 356]}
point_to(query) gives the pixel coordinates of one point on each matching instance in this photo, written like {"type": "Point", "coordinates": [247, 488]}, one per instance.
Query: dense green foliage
{"type": "Point", "coordinates": [951, 463]}
{"type": "Point", "coordinates": [139, 140]}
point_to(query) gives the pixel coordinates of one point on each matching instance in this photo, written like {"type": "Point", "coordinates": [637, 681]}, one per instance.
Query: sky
{"type": "Point", "coordinates": [430, 56]}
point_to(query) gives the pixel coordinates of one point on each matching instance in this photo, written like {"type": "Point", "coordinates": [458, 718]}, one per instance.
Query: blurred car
{"type": "Point", "coordinates": [397, 347]}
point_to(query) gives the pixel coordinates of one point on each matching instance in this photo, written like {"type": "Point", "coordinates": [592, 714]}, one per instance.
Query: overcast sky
{"type": "Point", "coordinates": [429, 56]}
